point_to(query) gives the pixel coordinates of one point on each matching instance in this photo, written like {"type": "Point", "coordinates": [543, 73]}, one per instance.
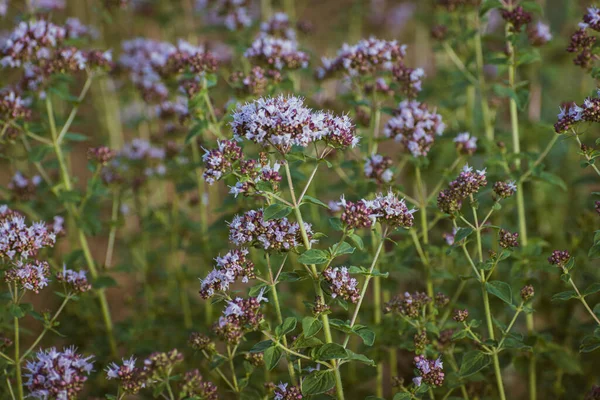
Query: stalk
{"type": "Point", "coordinates": [313, 268]}
{"type": "Point", "coordinates": [273, 285]}
{"type": "Point", "coordinates": [17, 359]}
{"type": "Point", "coordinates": [485, 108]}
{"type": "Point", "coordinates": [66, 181]}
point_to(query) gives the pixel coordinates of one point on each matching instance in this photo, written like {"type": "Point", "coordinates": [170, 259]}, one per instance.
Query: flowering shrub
{"type": "Point", "coordinates": [207, 200]}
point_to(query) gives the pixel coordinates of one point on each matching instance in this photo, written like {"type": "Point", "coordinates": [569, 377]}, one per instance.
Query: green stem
{"type": "Point", "coordinates": [510, 325]}
{"type": "Point", "coordinates": [230, 355]}
{"type": "Point", "coordinates": [48, 326]}
{"type": "Point", "coordinates": [582, 299]}
{"type": "Point", "coordinates": [18, 361]}
{"type": "Point", "coordinates": [277, 305]}
{"type": "Point", "coordinates": [485, 108]}
{"type": "Point", "coordinates": [315, 275]}
{"type": "Point", "coordinates": [365, 287]}
{"type": "Point", "coordinates": [66, 180]}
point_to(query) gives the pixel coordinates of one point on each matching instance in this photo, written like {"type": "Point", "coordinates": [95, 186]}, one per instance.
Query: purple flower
{"type": "Point", "coordinates": [57, 374]}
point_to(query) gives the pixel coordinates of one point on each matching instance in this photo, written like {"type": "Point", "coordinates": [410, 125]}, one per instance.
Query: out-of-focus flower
{"type": "Point", "coordinates": [539, 34]}
{"type": "Point", "coordinates": [378, 167]}
{"type": "Point", "coordinates": [465, 143]}
{"type": "Point", "coordinates": [277, 53]}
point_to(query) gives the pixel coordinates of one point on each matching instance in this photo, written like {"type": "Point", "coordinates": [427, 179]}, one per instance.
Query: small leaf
{"type": "Point", "coordinates": [272, 355]}
{"type": "Point", "coordinates": [312, 200]}
{"type": "Point", "coordinates": [473, 362]}
{"type": "Point", "coordinates": [501, 290]}
{"type": "Point", "coordinates": [342, 248]}
{"type": "Point", "coordinates": [261, 346]}
{"type": "Point", "coordinates": [402, 396]}
{"type": "Point", "coordinates": [367, 335]}
{"type": "Point", "coordinates": [288, 325]}
{"type": "Point", "coordinates": [303, 342]}
{"type": "Point", "coordinates": [318, 382]}
{"type": "Point", "coordinates": [313, 256]}
{"type": "Point", "coordinates": [336, 224]}
{"type": "Point", "coordinates": [311, 326]}
{"type": "Point", "coordinates": [331, 351]}
{"type": "Point", "coordinates": [594, 251]}
{"type": "Point", "coordinates": [276, 211]}
{"type": "Point", "coordinates": [564, 296]}
{"type": "Point", "coordinates": [593, 288]}
{"type": "Point", "coordinates": [352, 356]}
{"type": "Point", "coordinates": [356, 240]}
{"type": "Point", "coordinates": [75, 137]}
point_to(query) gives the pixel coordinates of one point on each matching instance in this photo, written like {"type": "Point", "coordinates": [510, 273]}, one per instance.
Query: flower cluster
{"type": "Point", "coordinates": [255, 83]}
{"type": "Point", "coordinates": [284, 122]}
{"type": "Point", "coordinates": [465, 143]}
{"type": "Point", "coordinates": [233, 14]}
{"type": "Point", "coordinates": [151, 64]}
{"type": "Point", "coordinates": [430, 371]}
{"type": "Point", "coordinates": [571, 113]}
{"type": "Point", "coordinates": [240, 316]}
{"type": "Point", "coordinates": [460, 315]}
{"type": "Point", "coordinates": [24, 188]}
{"type": "Point", "coordinates": [40, 48]}
{"type": "Point", "coordinates": [277, 53]}
{"type": "Point", "coordinates": [527, 292]}
{"type": "Point", "coordinates": [19, 240]}
{"type": "Point", "coordinates": [32, 275]}
{"type": "Point", "coordinates": [583, 43]}
{"type": "Point", "coordinates": [409, 304]}
{"type": "Point", "coordinates": [194, 386]}
{"type": "Point", "coordinates": [409, 79]}
{"type": "Point", "coordinates": [415, 127]}
{"type": "Point", "coordinates": [356, 214]}
{"type": "Point", "coordinates": [102, 154]}
{"type": "Point", "coordinates": [539, 34]}
{"type": "Point", "coordinates": [391, 211]}
{"type": "Point", "coordinates": [559, 258]}
{"type": "Point", "coordinates": [159, 364]}
{"type": "Point", "coordinates": [517, 17]}
{"type": "Point", "coordinates": [57, 374]}
{"type": "Point", "coordinates": [272, 235]}
{"type": "Point", "coordinates": [366, 57]}
{"type": "Point", "coordinates": [341, 284]}
{"type": "Point", "coordinates": [377, 167]}
{"type": "Point", "coordinates": [283, 391]}
{"type": "Point", "coordinates": [508, 240]}
{"type": "Point", "coordinates": [504, 190]}
{"type": "Point", "coordinates": [279, 25]}
{"type": "Point", "coordinates": [467, 184]}
{"type": "Point", "coordinates": [13, 107]}
{"type": "Point", "coordinates": [131, 378]}
{"type": "Point", "coordinates": [220, 161]}
{"type": "Point", "coordinates": [75, 281]}
{"type": "Point", "coordinates": [228, 269]}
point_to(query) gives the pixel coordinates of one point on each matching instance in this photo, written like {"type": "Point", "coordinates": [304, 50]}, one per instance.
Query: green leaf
{"type": "Point", "coordinates": [336, 224]}
{"type": "Point", "coordinates": [356, 240]}
{"type": "Point", "coordinates": [342, 248]}
{"type": "Point", "coordinates": [402, 396]}
{"type": "Point", "coordinates": [589, 344]}
{"type": "Point", "coordinates": [367, 335]}
{"type": "Point", "coordinates": [532, 7]}
{"type": "Point", "coordinates": [593, 288]}
{"type": "Point", "coordinates": [311, 326]}
{"type": "Point", "coordinates": [313, 256]}
{"type": "Point", "coordinates": [70, 196]}
{"type": "Point", "coordinates": [473, 362]}
{"type": "Point", "coordinates": [331, 351]}
{"type": "Point", "coordinates": [318, 382]}
{"type": "Point", "coordinates": [21, 310]}
{"type": "Point", "coordinates": [272, 355]}
{"type": "Point", "coordinates": [288, 325]}
{"type": "Point", "coordinates": [261, 346]}
{"type": "Point", "coordinates": [312, 200]}
{"type": "Point", "coordinates": [352, 356]}
{"type": "Point", "coordinates": [553, 180]}
{"type": "Point", "coordinates": [38, 153]}
{"type": "Point", "coordinates": [564, 296]}
{"type": "Point", "coordinates": [276, 211]}
{"type": "Point", "coordinates": [501, 290]}
{"type": "Point", "coordinates": [303, 342]}
{"type": "Point", "coordinates": [594, 251]}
